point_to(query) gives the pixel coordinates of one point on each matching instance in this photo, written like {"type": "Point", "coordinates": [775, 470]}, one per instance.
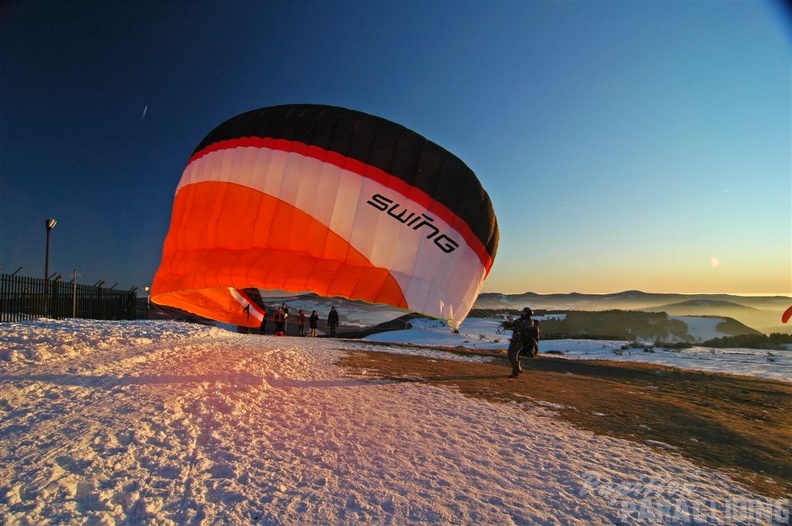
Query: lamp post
{"type": "Point", "coordinates": [50, 224]}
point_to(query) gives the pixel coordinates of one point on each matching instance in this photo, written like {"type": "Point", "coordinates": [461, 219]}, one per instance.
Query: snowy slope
{"type": "Point", "coordinates": [700, 327]}
{"type": "Point", "coordinates": [165, 423]}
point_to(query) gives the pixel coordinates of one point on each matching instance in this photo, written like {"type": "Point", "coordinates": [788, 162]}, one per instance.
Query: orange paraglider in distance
{"type": "Point", "coordinates": [787, 314]}
{"type": "Point", "coordinates": [310, 198]}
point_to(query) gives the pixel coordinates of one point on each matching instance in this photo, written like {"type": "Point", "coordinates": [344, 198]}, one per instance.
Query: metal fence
{"type": "Point", "coordinates": [23, 298]}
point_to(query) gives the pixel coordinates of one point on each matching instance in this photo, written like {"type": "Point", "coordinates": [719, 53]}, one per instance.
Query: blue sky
{"type": "Point", "coordinates": [643, 145]}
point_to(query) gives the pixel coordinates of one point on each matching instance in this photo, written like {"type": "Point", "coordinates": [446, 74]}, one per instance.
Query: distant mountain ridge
{"type": "Point", "coordinates": [631, 296]}
{"type": "Point", "coordinates": [701, 304]}
{"type": "Point", "coordinates": [762, 313]}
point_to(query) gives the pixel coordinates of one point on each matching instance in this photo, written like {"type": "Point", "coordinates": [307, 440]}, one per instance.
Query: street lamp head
{"type": "Point", "coordinates": [50, 223]}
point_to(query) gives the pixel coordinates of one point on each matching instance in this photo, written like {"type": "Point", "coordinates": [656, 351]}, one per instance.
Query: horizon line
{"type": "Point", "coordinates": [741, 294]}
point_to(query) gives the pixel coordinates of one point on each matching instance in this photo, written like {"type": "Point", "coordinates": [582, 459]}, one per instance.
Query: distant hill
{"type": "Point", "coordinates": [762, 313]}
{"type": "Point", "coordinates": [747, 313]}
{"type": "Point", "coordinates": [701, 306]}
{"type": "Point", "coordinates": [638, 325]}
{"type": "Point", "coordinates": [671, 323]}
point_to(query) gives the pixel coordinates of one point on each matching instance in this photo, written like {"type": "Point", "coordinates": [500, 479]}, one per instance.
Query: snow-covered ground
{"type": "Point", "coordinates": [159, 422]}
{"type": "Point", "coordinates": [483, 333]}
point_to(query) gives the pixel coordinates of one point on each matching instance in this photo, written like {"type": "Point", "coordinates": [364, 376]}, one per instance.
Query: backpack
{"type": "Point", "coordinates": [535, 331]}
{"type": "Point", "coordinates": [530, 340]}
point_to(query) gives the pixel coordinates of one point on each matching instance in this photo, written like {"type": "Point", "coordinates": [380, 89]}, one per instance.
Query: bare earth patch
{"type": "Point", "coordinates": [740, 425]}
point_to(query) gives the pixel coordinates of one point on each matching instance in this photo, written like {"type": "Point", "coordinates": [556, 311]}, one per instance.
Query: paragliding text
{"type": "Point", "coordinates": [413, 220]}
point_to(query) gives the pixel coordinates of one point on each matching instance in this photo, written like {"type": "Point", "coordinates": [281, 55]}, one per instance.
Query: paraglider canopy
{"type": "Point", "coordinates": [322, 199]}
{"type": "Point", "coordinates": [786, 315]}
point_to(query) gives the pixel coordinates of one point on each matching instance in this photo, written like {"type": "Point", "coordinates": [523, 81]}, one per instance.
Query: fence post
{"type": "Point", "coordinates": [55, 306]}
{"type": "Point", "coordinates": [74, 295]}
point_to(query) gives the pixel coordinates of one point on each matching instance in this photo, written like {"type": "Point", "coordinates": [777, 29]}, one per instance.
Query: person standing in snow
{"type": "Point", "coordinates": [279, 323]}
{"type": "Point", "coordinates": [332, 321]}
{"type": "Point", "coordinates": [300, 323]}
{"type": "Point", "coordinates": [313, 323]}
{"type": "Point", "coordinates": [285, 310]}
{"type": "Point", "coordinates": [524, 341]}
{"type": "Point", "coordinates": [263, 326]}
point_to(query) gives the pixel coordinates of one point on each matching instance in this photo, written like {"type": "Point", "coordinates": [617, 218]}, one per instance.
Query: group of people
{"type": "Point", "coordinates": [524, 341]}
{"type": "Point", "coordinates": [280, 318]}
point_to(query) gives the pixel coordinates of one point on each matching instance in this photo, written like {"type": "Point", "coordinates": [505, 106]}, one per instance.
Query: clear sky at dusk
{"type": "Point", "coordinates": [624, 145]}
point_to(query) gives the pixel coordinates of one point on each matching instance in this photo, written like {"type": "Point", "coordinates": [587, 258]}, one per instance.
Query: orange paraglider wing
{"type": "Point", "coordinates": [310, 198]}
{"type": "Point", "coordinates": [787, 314]}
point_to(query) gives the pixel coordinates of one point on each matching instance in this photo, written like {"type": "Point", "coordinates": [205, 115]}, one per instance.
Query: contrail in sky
{"type": "Point", "coordinates": [143, 116]}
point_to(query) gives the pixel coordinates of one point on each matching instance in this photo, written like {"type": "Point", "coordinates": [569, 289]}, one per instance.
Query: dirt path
{"type": "Point", "coordinates": [736, 424]}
